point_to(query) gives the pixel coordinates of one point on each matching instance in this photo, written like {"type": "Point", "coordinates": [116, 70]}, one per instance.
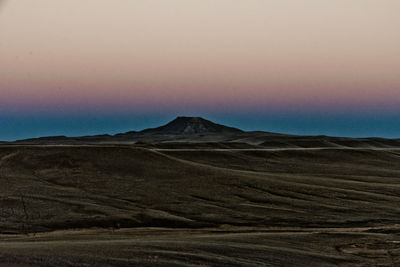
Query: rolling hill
{"type": "Point", "coordinates": [197, 193]}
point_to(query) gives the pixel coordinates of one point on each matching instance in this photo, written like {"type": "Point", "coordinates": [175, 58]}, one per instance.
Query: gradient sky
{"type": "Point", "coordinates": [302, 66]}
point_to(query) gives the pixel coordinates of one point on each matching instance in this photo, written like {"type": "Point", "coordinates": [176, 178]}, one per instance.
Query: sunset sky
{"type": "Point", "coordinates": [78, 67]}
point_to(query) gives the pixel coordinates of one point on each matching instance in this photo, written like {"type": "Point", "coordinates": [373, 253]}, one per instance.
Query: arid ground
{"type": "Point", "coordinates": [116, 205]}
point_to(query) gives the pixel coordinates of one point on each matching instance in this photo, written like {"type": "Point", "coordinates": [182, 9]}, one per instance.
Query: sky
{"type": "Point", "coordinates": [73, 67]}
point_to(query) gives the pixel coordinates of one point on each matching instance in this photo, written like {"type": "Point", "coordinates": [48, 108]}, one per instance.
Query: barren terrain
{"type": "Point", "coordinates": [128, 204]}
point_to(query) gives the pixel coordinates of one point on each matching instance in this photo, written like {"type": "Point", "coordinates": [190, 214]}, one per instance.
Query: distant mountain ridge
{"type": "Point", "coordinates": [197, 132]}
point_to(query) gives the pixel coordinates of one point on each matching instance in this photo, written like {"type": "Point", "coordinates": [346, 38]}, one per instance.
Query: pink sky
{"type": "Point", "coordinates": [141, 55]}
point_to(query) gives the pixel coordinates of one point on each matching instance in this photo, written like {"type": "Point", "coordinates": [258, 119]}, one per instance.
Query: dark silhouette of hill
{"type": "Point", "coordinates": [189, 126]}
